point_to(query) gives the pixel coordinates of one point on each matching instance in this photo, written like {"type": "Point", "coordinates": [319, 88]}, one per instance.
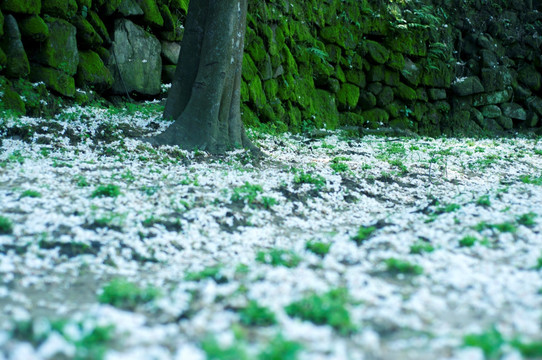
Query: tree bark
{"type": "Point", "coordinates": [204, 99]}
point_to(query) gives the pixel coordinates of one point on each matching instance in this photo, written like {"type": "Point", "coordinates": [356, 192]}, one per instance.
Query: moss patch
{"type": "Point", "coordinates": [55, 79]}
{"type": "Point", "coordinates": [92, 72]}
{"type": "Point", "coordinates": [34, 27]}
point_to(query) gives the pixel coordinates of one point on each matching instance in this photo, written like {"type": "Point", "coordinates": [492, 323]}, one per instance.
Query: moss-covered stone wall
{"type": "Point", "coordinates": [432, 66]}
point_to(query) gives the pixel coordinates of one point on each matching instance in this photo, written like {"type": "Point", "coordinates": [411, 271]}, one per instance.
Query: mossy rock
{"type": "Point", "coordinates": [395, 109]}
{"type": "Point", "coordinates": [84, 4]}
{"type": "Point", "coordinates": [168, 73]}
{"type": "Point", "coordinates": [104, 54]}
{"type": "Point", "coordinates": [248, 117]}
{"type": "Point", "coordinates": [110, 6]}
{"type": "Point", "coordinates": [98, 26]}
{"type": "Point", "coordinates": [3, 59]}
{"type": "Point", "coordinates": [391, 77]}
{"type": "Point", "coordinates": [367, 100]}
{"type": "Point", "coordinates": [256, 49]}
{"type": "Point", "coordinates": [271, 88]}
{"type": "Point", "coordinates": [528, 76]}
{"type": "Point", "coordinates": [412, 72]}
{"type": "Point", "coordinates": [348, 96]}
{"type": "Point", "coordinates": [339, 74]}
{"type": "Point", "coordinates": [34, 27]}
{"type": "Point", "coordinates": [497, 97]}
{"type": "Point", "coordinates": [31, 7]}
{"type": "Point", "coordinates": [169, 19]}
{"type": "Point", "coordinates": [324, 111]}
{"type": "Point", "coordinates": [1, 23]}
{"type": "Point", "coordinates": [59, 8]}
{"type": "Point", "coordinates": [351, 119]}
{"type": "Point", "coordinates": [401, 123]}
{"type": "Point", "coordinates": [10, 100]}
{"type": "Point", "coordinates": [265, 68]}
{"type": "Point", "coordinates": [335, 35]}
{"type": "Point", "coordinates": [87, 37]}
{"type": "Point", "coordinates": [437, 74]}
{"type": "Point", "coordinates": [179, 5]}
{"type": "Point", "coordinates": [129, 8]}
{"type": "Point", "coordinates": [356, 77]}
{"type": "Point", "coordinates": [405, 92]}
{"type": "Point", "coordinates": [303, 91]}
{"type": "Point", "coordinates": [376, 74]}
{"type": "Point", "coordinates": [250, 71]}
{"type": "Point", "coordinates": [334, 53]}
{"type": "Point", "coordinates": [60, 51]}
{"type": "Point", "coordinates": [257, 95]}
{"type": "Point", "coordinates": [385, 97]}
{"type": "Point", "coordinates": [55, 79]}
{"type": "Point", "coordinates": [16, 64]}
{"type": "Point", "coordinates": [245, 96]}
{"type": "Point", "coordinates": [290, 63]}
{"type": "Point", "coordinates": [396, 61]}
{"type": "Point", "coordinates": [375, 118]}
{"type": "Point", "coordinates": [92, 73]}
{"type": "Point", "coordinates": [151, 13]}
{"type": "Point", "coordinates": [378, 53]}
{"type": "Point", "coordinates": [409, 42]}
{"type": "Point", "coordinates": [286, 86]}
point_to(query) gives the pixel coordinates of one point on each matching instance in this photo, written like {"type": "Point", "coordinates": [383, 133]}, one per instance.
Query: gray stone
{"type": "Point", "coordinates": [375, 88]}
{"type": "Point", "coordinates": [385, 97]}
{"type": "Point", "coordinates": [17, 65]}
{"type": "Point", "coordinates": [505, 122]}
{"type": "Point", "coordinates": [467, 86]}
{"type": "Point", "coordinates": [170, 52]}
{"type": "Point", "coordinates": [497, 97]}
{"type": "Point", "coordinates": [522, 93]}
{"type": "Point", "coordinates": [534, 103]}
{"type": "Point", "coordinates": [514, 111]}
{"type": "Point", "coordinates": [491, 111]}
{"type": "Point", "coordinates": [437, 94]}
{"type": "Point", "coordinates": [489, 124]}
{"type": "Point", "coordinates": [367, 100]}
{"type": "Point", "coordinates": [59, 51]}
{"type": "Point", "coordinates": [130, 8]}
{"type": "Point", "coordinates": [135, 60]}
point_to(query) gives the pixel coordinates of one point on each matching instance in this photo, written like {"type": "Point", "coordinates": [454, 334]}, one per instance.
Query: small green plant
{"type": "Point", "coordinates": [328, 308]}
{"type": "Point", "coordinates": [256, 315]}
{"type": "Point", "coordinates": [210, 272]}
{"type": "Point", "coordinates": [246, 193]}
{"type": "Point", "coordinates": [399, 164]}
{"type": "Point", "coordinates": [278, 257]}
{"type": "Point", "coordinates": [364, 233]}
{"type": "Point", "coordinates": [318, 181]}
{"type": "Point", "coordinates": [268, 202]}
{"type": "Point", "coordinates": [317, 247]}
{"type": "Point", "coordinates": [468, 241]}
{"type": "Point", "coordinates": [108, 190]}
{"type": "Point", "coordinates": [529, 179]}
{"type": "Point", "coordinates": [448, 208]}
{"type": "Point", "coordinates": [490, 342]}
{"type": "Point", "coordinates": [280, 349]}
{"type": "Point", "coordinates": [6, 226]}
{"type": "Point", "coordinates": [398, 266]}
{"type": "Point", "coordinates": [31, 194]}
{"type": "Point", "coordinates": [421, 247]}
{"type": "Point", "coordinates": [483, 201]}
{"type": "Point", "coordinates": [81, 181]}
{"type": "Point", "coordinates": [214, 351]}
{"type": "Point", "coordinates": [528, 349]}
{"type": "Point", "coordinates": [538, 265]}
{"type": "Point", "coordinates": [527, 219]}
{"type": "Point", "coordinates": [502, 227]}
{"type": "Point", "coordinates": [126, 295]}
{"type": "Point", "coordinates": [338, 165]}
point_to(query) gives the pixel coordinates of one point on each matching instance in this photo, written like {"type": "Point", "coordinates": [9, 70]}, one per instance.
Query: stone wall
{"type": "Point", "coordinates": [441, 66]}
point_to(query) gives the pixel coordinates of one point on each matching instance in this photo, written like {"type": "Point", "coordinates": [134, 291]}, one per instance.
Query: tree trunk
{"type": "Point", "coordinates": [204, 99]}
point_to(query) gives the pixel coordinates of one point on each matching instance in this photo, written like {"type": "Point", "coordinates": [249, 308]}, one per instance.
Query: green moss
{"type": "Point", "coordinates": [409, 42]}
{"type": "Point", "coordinates": [98, 26]}
{"type": "Point", "coordinates": [290, 63]}
{"type": "Point", "coordinates": [348, 96]}
{"type": "Point", "coordinates": [250, 71]}
{"type": "Point", "coordinates": [377, 52]}
{"type": "Point", "coordinates": [60, 49]}
{"type": "Point", "coordinates": [396, 61]}
{"type": "Point", "coordinates": [32, 7]}
{"type": "Point", "coordinates": [249, 117]}
{"type": "Point", "coordinates": [169, 19]}
{"type": "Point", "coordinates": [151, 12]}
{"type": "Point", "coordinates": [87, 37]}
{"type": "Point", "coordinates": [3, 59]}
{"type": "Point", "coordinates": [324, 110]}
{"type": "Point", "coordinates": [92, 72]}
{"type": "Point", "coordinates": [58, 8]}
{"type": "Point", "coordinates": [56, 80]}
{"type": "Point", "coordinates": [375, 118]}
{"type": "Point", "coordinates": [271, 88]}
{"type": "Point", "coordinates": [1, 23]}
{"type": "Point", "coordinates": [437, 74]}
{"type": "Point", "coordinates": [350, 118]}
{"type": "Point", "coordinates": [12, 101]}
{"type": "Point", "coordinates": [34, 27]}
{"type": "Point", "coordinates": [179, 5]}
{"type": "Point", "coordinates": [257, 95]}
{"type": "Point", "coordinates": [256, 49]}
{"type": "Point", "coordinates": [405, 92]}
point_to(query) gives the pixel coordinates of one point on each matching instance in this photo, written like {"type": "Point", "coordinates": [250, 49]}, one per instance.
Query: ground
{"type": "Point", "coordinates": [330, 247]}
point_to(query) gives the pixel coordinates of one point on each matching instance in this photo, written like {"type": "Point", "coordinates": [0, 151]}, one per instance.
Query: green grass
{"type": "Point", "coordinates": [364, 233]}
{"type": "Point", "coordinates": [317, 247]}
{"type": "Point", "coordinates": [527, 219]}
{"type": "Point", "coordinates": [529, 179]}
{"type": "Point", "coordinates": [399, 164]}
{"type": "Point", "coordinates": [326, 309]}
{"type": "Point", "coordinates": [246, 193]}
{"type": "Point", "coordinates": [108, 190]}
{"type": "Point", "coordinates": [31, 194]}
{"type": "Point", "coordinates": [398, 266]}
{"type": "Point", "coordinates": [318, 181]}
{"type": "Point", "coordinates": [256, 315]}
{"type": "Point", "coordinates": [214, 351]}
{"type": "Point", "coordinates": [490, 342]}
{"type": "Point", "coordinates": [278, 257]}
{"type": "Point", "coordinates": [210, 272]}
{"type": "Point", "coordinates": [483, 201]}
{"type": "Point", "coordinates": [280, 349]}
{"type": "Point", "coordinates": [338, 165]}
{"type": "Point", "coordinates": [6, 226]}
{"type": "Point", "coordinates": [421, 247]}
{"type": "Point", "coordinates": [468, 241]}
{"type": "Point", "coordinates": [126, 295]}
{"type": "Point", "coordinates": [502, 227]}
{"type": "Point", "coordinates": [528, 349]}
{"type": "Point", "coordinates": [81, 181]}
